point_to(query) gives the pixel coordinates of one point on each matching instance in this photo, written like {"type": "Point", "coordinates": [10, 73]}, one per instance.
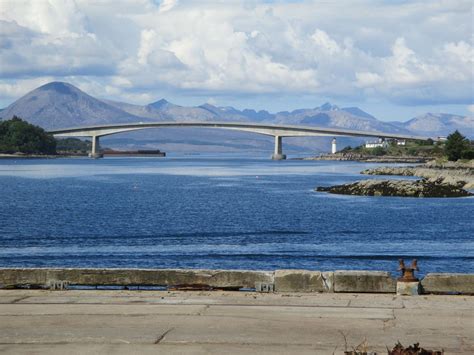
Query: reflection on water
{"type": "Point", "coordinates": [219, 213]}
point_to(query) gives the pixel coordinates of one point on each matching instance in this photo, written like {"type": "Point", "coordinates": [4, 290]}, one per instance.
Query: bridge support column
{"type": "Point", "coordinates": [278, 154]}
{"type": "Point", "coordinates": [333, 146]}
{"type": "Point", "coordinates": [95, 153]}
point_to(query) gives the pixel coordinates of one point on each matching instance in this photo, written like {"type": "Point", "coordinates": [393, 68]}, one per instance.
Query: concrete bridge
{"type": "Point", "coordinates": [277, 131]}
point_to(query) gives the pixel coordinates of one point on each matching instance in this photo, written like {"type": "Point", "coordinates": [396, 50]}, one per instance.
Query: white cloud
{"type": "Point", "coordinates": [325, 43]}
{"type": "Point", "coordinates": [20, 87]}
{"type": "Point", "coordinates": [167, 5]}
{"type": "Point", "coordinates": [404, 52]}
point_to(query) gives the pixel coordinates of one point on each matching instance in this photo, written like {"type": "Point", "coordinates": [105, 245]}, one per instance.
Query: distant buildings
{"type": "Point", "coordinates": [383, 143]}
{"type": "Point", "coordinates": [379, 143]}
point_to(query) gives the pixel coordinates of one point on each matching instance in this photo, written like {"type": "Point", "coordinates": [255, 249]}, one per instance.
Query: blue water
{"type": "Point", "coordinates": [219, 212]}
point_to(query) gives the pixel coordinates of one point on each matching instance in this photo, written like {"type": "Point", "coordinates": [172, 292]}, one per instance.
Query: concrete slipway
{"type": "Point", "coordinates": [310, 312]}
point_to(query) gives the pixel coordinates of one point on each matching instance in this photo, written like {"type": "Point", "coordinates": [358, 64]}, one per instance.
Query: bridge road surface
{"type": "Point", "coordinates": [198, 322]}
{"type": "Point", "coordinates": [277, 131]}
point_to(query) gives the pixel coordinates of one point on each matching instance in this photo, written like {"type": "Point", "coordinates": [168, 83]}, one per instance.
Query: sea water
{"type": "Point", "coordinates": [219, 212]}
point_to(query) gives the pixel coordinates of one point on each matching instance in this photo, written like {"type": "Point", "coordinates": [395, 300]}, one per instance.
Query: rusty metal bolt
{"type": "Point", "coordinates": [408, 273]}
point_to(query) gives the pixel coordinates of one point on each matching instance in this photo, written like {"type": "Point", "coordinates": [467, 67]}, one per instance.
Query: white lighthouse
{"type": "Point", "coordinates": [333, 146]}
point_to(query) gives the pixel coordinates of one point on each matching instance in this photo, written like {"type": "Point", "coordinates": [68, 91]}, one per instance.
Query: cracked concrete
{"type": "Point", "coordinates": [124, 322]}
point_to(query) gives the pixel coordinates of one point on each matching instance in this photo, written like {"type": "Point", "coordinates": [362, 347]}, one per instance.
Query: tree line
{"type": "Point", "coordinates": [19, 136]}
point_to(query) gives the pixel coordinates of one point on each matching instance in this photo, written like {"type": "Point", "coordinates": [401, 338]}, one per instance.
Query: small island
{"type": "Point", "coordinates": [451, 175]}
{"type": "Point", "coordinates": [400, 188]}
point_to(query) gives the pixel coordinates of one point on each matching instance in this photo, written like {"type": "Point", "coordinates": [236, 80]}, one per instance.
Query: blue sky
{"type": "Point", "coordinates": [394, 59]}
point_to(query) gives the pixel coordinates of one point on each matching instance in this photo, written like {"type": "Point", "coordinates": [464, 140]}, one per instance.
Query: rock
{"type": "Point", "coordinates": [383, 170]}
{"type": "Point", "coordinates": [353, 156]}
{"type": "Point", "coordinates": [364, 281]}
{"type": "Point", "coordinates": [401, 188]}
{"type": "Point", "coordinates": [455, 173]}
{"type": "Point", "coordinates": [303, 281]}
{"type": "Point", "coordinates": [448, 283]}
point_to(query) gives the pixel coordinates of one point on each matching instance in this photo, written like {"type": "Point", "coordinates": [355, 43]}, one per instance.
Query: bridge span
{"type": "Point", "coordinates": [277, 131]}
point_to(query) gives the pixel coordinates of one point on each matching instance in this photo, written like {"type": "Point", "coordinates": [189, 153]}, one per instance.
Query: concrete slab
{"type": "Point", "coordinates": [438, 302]}
{"type": "Point", "coordinates": [11, 299]}
{"type": "Point", "coordinates": [299, 313]}
{"type": "Point", "coordinates": [178, 297]}
{"type": "Point", "coordinates": [303, 281]}
{"type": "Point", "coordinates": [364, 281]}
{"type": "Point", "coordinates": [374, 300]}
{"type": "Point", "coordinates": [18, 309]}
{"type": "Point", "coordinates": [229, 322]}
{"type": "Point", "coordinates": [448, 283]}
{"type": "Point", "coordinates": [153, 349]}
{"type": "Point", "coordinates": [216, 278]}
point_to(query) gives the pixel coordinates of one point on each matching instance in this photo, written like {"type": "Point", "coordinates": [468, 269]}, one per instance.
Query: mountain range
{"type": "Point", "coordinates": [61, 105]}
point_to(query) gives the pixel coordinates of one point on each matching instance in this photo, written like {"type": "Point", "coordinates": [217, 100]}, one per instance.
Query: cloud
{"type": "Point", "coordinates": [405, 52]}
{"type": "Point", "coordinates": [167, 5]}
{"type": "Point", "coordinates": [17, 88]}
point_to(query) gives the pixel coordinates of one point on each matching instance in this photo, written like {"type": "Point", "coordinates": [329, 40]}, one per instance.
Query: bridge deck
{"type": "Point", "coordinates": [266, 129]}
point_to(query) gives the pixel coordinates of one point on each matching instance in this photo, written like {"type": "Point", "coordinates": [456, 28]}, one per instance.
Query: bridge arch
{"type": "Point", "coordinates": [277, 131]}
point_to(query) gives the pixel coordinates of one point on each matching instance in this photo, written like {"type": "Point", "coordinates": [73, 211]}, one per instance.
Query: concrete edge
{"type": "Point", "coordinates": [442, 283]}
{"type": "Point", "coordinates": [339, 281]}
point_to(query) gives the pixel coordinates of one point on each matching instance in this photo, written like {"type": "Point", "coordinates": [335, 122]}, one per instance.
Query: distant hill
{"type": "Point", "coordinates": [61, 105]}
{"type": "Point", "coordinates": [329, 115]}
{"type": "Point", "coordinates": [439, 124]}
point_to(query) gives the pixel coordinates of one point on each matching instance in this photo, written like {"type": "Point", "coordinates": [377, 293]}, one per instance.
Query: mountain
{"type": "Point", "coordinates": [358, 112]}
{"type": "Point", "coordinates": [163, 110]}
{"type": "Point", "coordinates": [60, 105]}
{"type": "Point", "coordinates": [439, 124]}
{"type": "Point", "coordinates": [329, 115]}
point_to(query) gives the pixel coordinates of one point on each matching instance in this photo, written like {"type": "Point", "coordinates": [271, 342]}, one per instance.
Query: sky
{"type": "Point", "coordinates": [394, 59]}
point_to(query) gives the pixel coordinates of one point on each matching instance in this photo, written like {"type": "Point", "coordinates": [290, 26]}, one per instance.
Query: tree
{"type": "Point", "coordinates": [456, 146]}
{"type": "Point", "coordinates": [18, 136]}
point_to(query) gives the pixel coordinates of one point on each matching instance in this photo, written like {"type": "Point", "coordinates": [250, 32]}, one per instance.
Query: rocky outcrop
{"type": "Point", "coordinates": [402, 188]}
{"type": "Point", "coordinates": [351, 156]}
{"type": "Point", "coordinates": [458, 173]}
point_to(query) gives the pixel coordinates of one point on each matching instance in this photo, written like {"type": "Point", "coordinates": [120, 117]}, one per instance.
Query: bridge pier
{"type": "Point", "coordinates": [95, 152]}
{"type": "Point", "coordinates": [278, 154]}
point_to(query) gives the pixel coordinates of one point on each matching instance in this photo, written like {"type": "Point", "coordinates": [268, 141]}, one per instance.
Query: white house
{"type": "Point", "coordinates": [380, 143]}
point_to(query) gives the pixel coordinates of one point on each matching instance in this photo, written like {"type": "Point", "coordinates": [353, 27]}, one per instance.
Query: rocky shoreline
{"type": "Point", "coordinates": [369, 158]}
{"type": "Point", "coordinates": [438, 179]}
{"type": "Point", "coordinates": [455, 173]}
{"type": "Point", "coordinates": [400, 188]}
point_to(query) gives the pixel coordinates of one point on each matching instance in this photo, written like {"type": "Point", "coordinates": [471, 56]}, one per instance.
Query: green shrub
{"type": "Point", "coordinates": [18, 136]}
{"type": "Point", "coordinates": [457, 146]}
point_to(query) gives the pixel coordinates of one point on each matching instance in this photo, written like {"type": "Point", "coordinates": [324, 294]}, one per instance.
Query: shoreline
{"type": "Point", "coordinates": [460, 174]}
{"type": "Point", "coordinates": [449, 179]}
{"type": "Point", "coordinates": [368, 158]}
{"type": "Point", "coordinates": [39, 156]}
